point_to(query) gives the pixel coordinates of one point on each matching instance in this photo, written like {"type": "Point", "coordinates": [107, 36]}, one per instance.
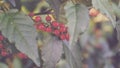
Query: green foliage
{"type": "Point", "coordinates": [18, 28]}
{"type": "Point", "coordinates": [51, 52]}
{"type": "Point", "coordinates": [78, 20]}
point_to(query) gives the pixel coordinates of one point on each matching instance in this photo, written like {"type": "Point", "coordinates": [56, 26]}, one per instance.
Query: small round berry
{"type": "Point", "coordinates": [48, 29]}
{"type": "Point", "coordinates": [4, 53]}
{"type": "Point", "coordinates": [37, 19]}
{"type": "Point", "coordinates": [63, 29]}
{"type": "Point", "coordinates": [41, 26]}
{"type": "Point", "coordinates": [61, 25]}
{"type": "Point", "coordinates": [93, 12]}
{"type": "Point", "coordinates": [22, 55]}
{"type": "Point", "coordinates": [56, 32]}
{"type": "Point", "coordinates": [48, 18]}
{"type": "Point", "coordinates": [62, 37]}
{"type": "Point", "coordinates": [67, 36]}
{"type": "Point", "coordinates": [55, 24]}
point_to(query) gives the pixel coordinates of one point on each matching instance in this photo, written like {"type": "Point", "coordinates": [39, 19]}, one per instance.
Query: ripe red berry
{"type": "Point", "coordinates": [21, 55]}
{"type": "Point", "coordinates": [41, 26]}
{"type": "Point", "coordinates": [56, 32]}
{"type": "Point", "coordinates": [67, 36]}
{"type": "Point", "coordinates": [1, 38]}
{"type": "Point", "coordinates": [4, 53]}
{"type": "Point", "coordinates": [1, 46]}
{"type": "Point", "coordinates": [48, 29]}
{"type": "Point", "coordinates": [55, 24]}
{"type": "Point", "coordinates": [37, 19]}
{"type": "Point", "coordinates": [61, 25]}
{"type": "Point", "coordinates": [63, 29]}
{"type": "Point", "coordinates": [62, 37]}
{"type": "Point", "coordinates": [48, 18]}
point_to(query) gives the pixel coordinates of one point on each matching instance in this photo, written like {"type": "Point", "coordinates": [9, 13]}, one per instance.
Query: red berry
{"type": "Point", "coordinates": [62, 37]}
{"type": "Point", "coordinates": [67, 36]}
{"type": "Point", "coordinates": [4, 53]}
{"type": "Point", "coordinates": [21, 55]}
{"type": "Point", "coordinates": [37, 19]}
{"type": "Point", "coordinates": [1, 38]}
{"type": "Point", "coordinates": [41, 26]}
{"type": "Point", "coordinates": [48, 29]}
{"type": "Point", "coordinates": [63, 29]}
{"type": "Point", "coordinates": [61, 25]}
{"type": "Point", "coordinates": [48, 18]}
{"type": "Point", "coordinates": [55, 24]}
{"type": "Point", "coordinates": [1, 46]}
{"type": "Point", "coordinates": [56, 32]}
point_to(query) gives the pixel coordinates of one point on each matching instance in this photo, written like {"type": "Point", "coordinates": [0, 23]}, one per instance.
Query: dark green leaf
{"type": "Point", "coordinates": [19, 28]}
{"type": "Point", "coordinates": [51, 52]}
{"type": "Point", "coordinates": [73, 55]}
{"type": "Point", "coordinates": [78, 20]}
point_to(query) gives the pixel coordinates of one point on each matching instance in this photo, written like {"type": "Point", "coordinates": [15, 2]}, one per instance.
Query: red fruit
{"type": "Point", "coordinates": [48, 29]}
{"type": "Point", "coordinates": [1, 46]}
{"type": "Point", "coordinates": [56, 32]}
{"type": "Point", "coordinates": [55, 24]}
{"type": "Point", "coordinates": [1, 38]}
{"type": "Point", "coordinates": [63, 29]}
{"type": "Point", "coordinates": [62, 37]}
{"type": "Point", "coordinates": [67, 36]}
{"type": "Point", "coordinates": [21, 55]}
{"type": "Point", "coordinates": [37, 19]}
{"type": "Point", "coordinates": [41, 26]}
{"type": "Point", "coordinates": [4, 53]}
{"type": "Point", "coordinates": [61, 25]}
{"type": "Point", "coordinates": [93, 12]}
{"type": "Point", "coordinates": [48, 18]}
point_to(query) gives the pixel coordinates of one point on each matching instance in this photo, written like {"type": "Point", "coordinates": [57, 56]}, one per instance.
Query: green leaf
{"type": "Point", "coordinates": [19, 28]}
{"type": "Point", "coordinates": [78, 20]}
{"type": "Point", "coordinates": [106, 7]}
{"type": "Point", "coordinates": [51, 52]}
{"type": "Point", "coordinates": [73, 54]}
{"type": "Point", "coordinates": [17, 63]}
{"type": "Point", "coordinates": [2, 65]}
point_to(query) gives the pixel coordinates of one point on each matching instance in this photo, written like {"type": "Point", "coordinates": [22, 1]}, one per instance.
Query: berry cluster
{"type": "Point", "coordinates": [5, 53]}
{"type": "Point", "coordinates": [53, 27]}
